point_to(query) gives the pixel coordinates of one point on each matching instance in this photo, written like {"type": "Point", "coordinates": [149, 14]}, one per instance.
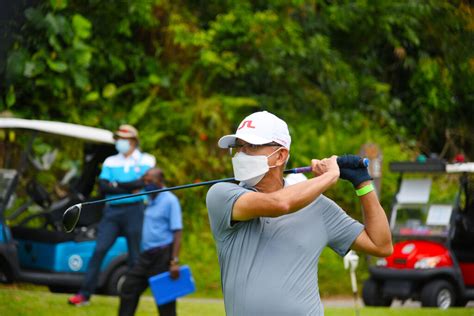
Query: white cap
{"type": "Point", "coordinates": [259, 128]}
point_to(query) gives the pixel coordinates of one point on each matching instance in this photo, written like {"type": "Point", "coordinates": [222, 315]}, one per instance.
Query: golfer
{"type": "Point", "coordinates": [269, 235]}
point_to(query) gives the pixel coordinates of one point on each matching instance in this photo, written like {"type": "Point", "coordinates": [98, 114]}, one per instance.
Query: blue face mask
{"type": "Point", "coordinates": [122, 146]}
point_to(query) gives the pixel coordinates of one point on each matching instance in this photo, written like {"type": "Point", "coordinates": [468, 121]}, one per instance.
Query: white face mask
{"type": "Point", "coordinates": [250, 169]}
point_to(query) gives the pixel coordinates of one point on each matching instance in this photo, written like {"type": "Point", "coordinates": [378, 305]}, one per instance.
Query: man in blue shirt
{"type": "Point", "coordinates": [161, 240]}
{"type": "Point", "coordinates": [121, 174]}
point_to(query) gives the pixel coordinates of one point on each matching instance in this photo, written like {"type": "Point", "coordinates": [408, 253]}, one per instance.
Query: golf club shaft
{"type": "Point", "coordinates": [184, 186]}
{"type": "Point", "coordinates": [361, 164]}
{"type": "Point", "coordinates": [179, 187]}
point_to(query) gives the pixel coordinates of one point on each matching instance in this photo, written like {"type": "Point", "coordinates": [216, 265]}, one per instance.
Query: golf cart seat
{"type": "Point", "coordinates": [90, 217]}
{"type": "Point", "coordinates": [53, 216]}
{"type": "Point", "coordinates": [40, 235]}
{"type": "Point", "coordinates": [87, 223]}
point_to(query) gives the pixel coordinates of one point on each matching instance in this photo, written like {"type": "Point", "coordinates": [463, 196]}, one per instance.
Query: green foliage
{"type": "Point", "coordinates": [394, 62]}
{"type": "Point", "coordinates": [344, 73]}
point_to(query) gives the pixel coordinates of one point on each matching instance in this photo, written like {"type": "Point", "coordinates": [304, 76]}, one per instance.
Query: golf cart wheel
{"type": "Point", "coordinates": [116, 279]}
{"type": "Point", "coordinates": [6, 273]}
{"type": "Point", "coordinates": [439, 294]}
{"type": "Point", "coordinates": [372, 294]}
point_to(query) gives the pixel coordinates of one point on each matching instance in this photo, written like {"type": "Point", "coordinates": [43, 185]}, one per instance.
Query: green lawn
{"type": "Point", "coordinates": [21, 302]}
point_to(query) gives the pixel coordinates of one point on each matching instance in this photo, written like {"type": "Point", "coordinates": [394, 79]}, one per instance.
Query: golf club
{"type": "Point", "coordinates": [72, 214]}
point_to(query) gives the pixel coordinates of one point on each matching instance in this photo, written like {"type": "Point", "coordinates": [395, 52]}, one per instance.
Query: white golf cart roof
{"type": "Point", "coordinates": [460, 167]}
{"type": "Point", "coordinates": [60, 128]}
{"type": "Point", "coordinates": [431, 166]}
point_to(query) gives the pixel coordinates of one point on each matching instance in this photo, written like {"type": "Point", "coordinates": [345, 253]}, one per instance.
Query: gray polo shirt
{"type": "Point", "coordinates": [269, 266]}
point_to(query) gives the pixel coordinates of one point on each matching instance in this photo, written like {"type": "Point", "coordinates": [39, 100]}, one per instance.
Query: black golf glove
{"type": "Point", "coordinates": [351, 170]}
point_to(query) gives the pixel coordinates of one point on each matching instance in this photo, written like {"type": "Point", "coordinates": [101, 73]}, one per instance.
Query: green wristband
{"type": "Point", "coordinates": [365, 189]}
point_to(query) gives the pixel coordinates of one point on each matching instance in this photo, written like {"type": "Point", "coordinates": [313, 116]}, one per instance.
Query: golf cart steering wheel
{"type": "Point", "coordinates": [41, 197]}
{"type": "Point", "coordinates": [38, 194]}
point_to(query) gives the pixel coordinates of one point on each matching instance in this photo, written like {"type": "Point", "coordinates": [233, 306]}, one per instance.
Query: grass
{"type": "Point", "coordinates": [43, 303]}
{"type": "Point", "coordinates": [19, 302]}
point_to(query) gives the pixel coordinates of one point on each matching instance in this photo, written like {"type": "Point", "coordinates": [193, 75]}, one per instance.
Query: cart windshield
{"type": "Point", "coordinates": [422, 220]}
{"type": "Point", "coordinates": [415, 213]}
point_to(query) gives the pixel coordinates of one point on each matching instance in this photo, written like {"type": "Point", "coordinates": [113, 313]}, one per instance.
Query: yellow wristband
{"type": "Point", "coordinates": [365, 189]}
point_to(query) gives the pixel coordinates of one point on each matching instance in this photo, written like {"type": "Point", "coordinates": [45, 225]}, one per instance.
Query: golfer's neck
{"type": "Point", "coordinates": [273, 181]}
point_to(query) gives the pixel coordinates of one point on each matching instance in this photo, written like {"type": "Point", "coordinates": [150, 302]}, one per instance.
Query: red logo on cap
{"type": "Point", "coordinates": [248, 123]}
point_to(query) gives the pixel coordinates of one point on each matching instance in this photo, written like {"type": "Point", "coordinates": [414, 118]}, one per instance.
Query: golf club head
{"type": "Point", "coordinates": [71, 216]}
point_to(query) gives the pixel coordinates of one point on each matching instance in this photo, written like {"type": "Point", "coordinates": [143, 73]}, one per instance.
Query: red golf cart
{"type": "Point", "coordinates": [433, 258]}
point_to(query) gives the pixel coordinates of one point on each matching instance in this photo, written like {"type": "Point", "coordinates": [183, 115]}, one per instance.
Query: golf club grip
{"type": "Point", "coordinates": [362, 163]}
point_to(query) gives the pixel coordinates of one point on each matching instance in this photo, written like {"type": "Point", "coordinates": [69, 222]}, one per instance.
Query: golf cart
{"type": "Point", "coordinates": [433, 258]}
{"type": "Point", "coordinates": [34, 247]}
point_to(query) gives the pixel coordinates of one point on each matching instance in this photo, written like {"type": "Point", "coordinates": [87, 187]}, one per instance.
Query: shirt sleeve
{"type": "Point", "coordinates": [148, 161]}
{"type": "Point", "coordinates": [220, 201]}
{"type": "Point", "coordinates": [176, 222]}
{"type": "Point", "coordinates": [342, 230]}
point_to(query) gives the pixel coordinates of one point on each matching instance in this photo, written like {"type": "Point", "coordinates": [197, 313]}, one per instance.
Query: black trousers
{"type": "Point", "coordinates": [126, 219]}
{"type": "Point", "coordinates": [150, 263]}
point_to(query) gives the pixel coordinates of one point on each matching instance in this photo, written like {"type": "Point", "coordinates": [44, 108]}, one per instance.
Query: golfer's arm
{"type": "Point", "coordinates": [376, 238]}
{"type": "Point", "coordinates": [287, 200]}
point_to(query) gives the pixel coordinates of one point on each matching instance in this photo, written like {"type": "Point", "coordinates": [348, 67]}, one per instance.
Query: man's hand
{"type": "Point", "coordinates": [174, 270]}
{"type": "Point", "coordinates": [355, 175]}
{"type": "Point", "coordinates": [326, 165]}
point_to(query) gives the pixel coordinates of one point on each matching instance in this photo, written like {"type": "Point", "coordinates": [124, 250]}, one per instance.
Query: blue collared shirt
{"type": "Point", "coordinates": [119, 168]}
{"type": "Point", "coordinates": [162, 218]}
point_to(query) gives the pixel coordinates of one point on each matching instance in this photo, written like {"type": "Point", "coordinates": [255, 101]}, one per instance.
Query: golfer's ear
{"type": "Point", "coordinates": [282, 156]}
